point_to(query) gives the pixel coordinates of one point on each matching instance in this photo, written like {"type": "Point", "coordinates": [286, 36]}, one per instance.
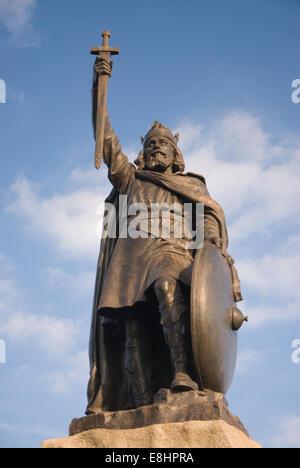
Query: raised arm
{"type": "Point", "coordinates": [119, 168]}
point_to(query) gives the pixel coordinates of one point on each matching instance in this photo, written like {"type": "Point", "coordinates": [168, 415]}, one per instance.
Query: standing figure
{"type": "Point", "coordinates": [140, 335]}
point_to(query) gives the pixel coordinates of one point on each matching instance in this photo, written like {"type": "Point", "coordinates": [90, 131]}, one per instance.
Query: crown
{"type": "Point", "coordinates": [159, 129]}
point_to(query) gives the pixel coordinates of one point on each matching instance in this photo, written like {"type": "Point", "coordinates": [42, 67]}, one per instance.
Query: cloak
{"type": "Point", "coordinates": [108, 389]}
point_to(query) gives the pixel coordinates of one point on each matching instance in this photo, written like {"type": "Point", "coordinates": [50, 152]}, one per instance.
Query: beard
{"type": "Point", "coordinates": [158, 162]}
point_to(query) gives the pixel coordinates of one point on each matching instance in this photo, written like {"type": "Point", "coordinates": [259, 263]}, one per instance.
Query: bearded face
{"type": "Point", "coordinates": [158, 154]}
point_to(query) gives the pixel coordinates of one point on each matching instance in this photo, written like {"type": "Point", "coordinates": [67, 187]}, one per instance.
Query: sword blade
{"type": "Point", "coordinates": [101, 107]}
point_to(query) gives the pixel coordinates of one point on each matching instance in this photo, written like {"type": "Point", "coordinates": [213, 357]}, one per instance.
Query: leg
{"type": "Point", "coordinates": [138, 364]}
{"type": "Point", "coordinates": [172, 309]}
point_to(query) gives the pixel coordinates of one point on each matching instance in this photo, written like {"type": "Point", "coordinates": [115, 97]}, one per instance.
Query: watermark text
{"type": "Point", "coordinates": [2, 92]}
{"type": "Point", "coordinates": [2, 352]}
{"type": "Point", "coordinates": [155, 220]}
{"type": "Point", "coordinates": [296, 353]}
{"type": "Point", "coordinates": [296, 93]}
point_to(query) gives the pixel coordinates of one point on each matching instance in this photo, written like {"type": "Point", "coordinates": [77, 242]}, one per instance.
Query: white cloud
{"type": "Point", "coordinates": [16, 13]}
{"type": "Point", "coordinates": [272, 275]}
{"type": "Point", "coordinates": [69, 221]}
{"type": "Point", "coordinates": [273, 280]}
{"type": "Point", "coordinates": [55, 336]}
{"type": "Point", "coordinates": [17, 17]}
{"type": "Point", "coordinates": [270, 313]}
{"type": "Point", "coordinates": [288, 433]}
{"type": "Point", "coordinates": [7, 287]}
{"type": "Point", "coordinates": [85, 177]}
{"type": "Point", "coordinates": [255, 179]}
{"type": "Point", "coordinates": [248, 359]}
{"type": "Point", "coordinates": [7, 294]}
{"type": "Point", "coordinates": [75, 372]}
{"type": "Point", "coordinates": [80, 284]}
{"type": "Point", "coordinates": [241, 138]}
{"type": "Point", "coordinates": [189, 134]}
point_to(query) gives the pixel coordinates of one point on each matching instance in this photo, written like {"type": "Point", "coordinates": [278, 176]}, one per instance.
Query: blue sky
{"type": "Point", "coordinates": [218, 72]}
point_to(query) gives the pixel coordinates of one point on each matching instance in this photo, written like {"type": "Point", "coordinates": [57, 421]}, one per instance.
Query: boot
{"type": "Point", "coordinates": [174, 330]}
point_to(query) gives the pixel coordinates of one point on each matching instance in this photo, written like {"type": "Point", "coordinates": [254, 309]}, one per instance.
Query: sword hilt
{"type": "Point", "coordinates": [105, 50]}
{"type": "Point", "coordinates": [106, 35]}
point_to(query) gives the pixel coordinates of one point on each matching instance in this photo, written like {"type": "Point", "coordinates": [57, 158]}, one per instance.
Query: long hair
{"type": "Point", "coordinates": [178, 161]}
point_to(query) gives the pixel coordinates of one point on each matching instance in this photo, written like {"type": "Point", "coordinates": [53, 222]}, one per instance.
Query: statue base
{"type": "Point", "coordinates": [175, 420]}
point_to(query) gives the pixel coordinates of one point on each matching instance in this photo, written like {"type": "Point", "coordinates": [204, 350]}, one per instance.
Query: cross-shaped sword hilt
{"type": "Point", "coordinates": [105, 51]}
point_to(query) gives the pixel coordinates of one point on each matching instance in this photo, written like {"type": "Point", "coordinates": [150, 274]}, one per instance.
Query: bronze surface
{"type": "Point", "coordinates": [103, 53]}
{"type": "Point", "coordinates": [156, 298]}
{"type": "Point", "coordinates": [168, 407]}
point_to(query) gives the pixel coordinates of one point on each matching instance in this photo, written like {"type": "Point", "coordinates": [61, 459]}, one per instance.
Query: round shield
{"type": "Point", "coordinates": [214, 339]}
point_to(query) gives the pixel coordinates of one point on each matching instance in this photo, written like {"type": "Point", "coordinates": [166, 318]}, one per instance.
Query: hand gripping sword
{"type": "Point", "coordinates": [104, 53]}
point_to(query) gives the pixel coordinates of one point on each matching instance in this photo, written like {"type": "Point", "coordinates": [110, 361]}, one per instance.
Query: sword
{"type": "Point", "coordinates": [104, 53]}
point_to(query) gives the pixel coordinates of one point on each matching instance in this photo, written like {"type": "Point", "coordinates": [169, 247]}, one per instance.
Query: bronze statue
{"type": "Point", "coordinates": [164, 310]}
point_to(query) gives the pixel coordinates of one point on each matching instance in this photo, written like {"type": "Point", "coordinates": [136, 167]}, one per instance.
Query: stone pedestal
{"type": "Point", "coordinates": [175, 420]}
